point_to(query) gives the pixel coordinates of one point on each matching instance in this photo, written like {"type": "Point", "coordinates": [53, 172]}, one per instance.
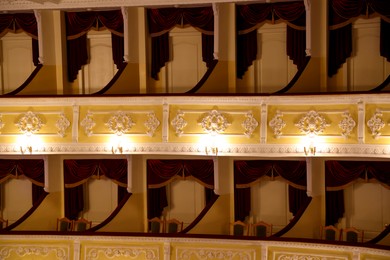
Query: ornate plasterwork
{"type": "Point", "coordinates": [214, 122]}
{"type": "Point", "coordinates": [132, 252]}
{"type": "Point", "coordinates": [249, 124]}
{"type": "Point", "coordinates": [376, 123]}
{"type": "Point", "coordinates": [88, 123]}
{"type": "Point", "coordinates": [308, 257]}
{"type": "Point", "coordinates": [277, 124]}
{"type": "Point", "coordinates": [178, 123]}
{"type": "Point", "coordinates": [62, 124]}
{"type": "Point", "coordinates": [1, 123]}
{"type": "Point", "coordinates": [120, 123]}
{"type": "Point", "coordinates": [215, 253]}
{"type": "Point", "coordinates": [151, 124]}
{"type": "Point", "coordinates": [29, 123]}
{"type": "Point", "coordinates": [347, 124]}
{"type": "Point", "coordinates": [61, 253]}
{"type": "Point", "coordinates": [312, 123]}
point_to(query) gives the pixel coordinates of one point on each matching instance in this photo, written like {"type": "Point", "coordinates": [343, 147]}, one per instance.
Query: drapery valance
{"type": "Point", "coordinates": [162, 172]}
{"type": "Point", "coordinates": [341, 15]}
{"type": "Point", "coordinates": [32, 169]}
{"type": "Point", "coordinates": [77, 172]}
{"type": "Point", "coordinates": [341, 174]}
{"type": "Point", "coordinates": [250, 17]}
{"type": "Point", "coordinates": [247, 173]}
{"type": "Point", "coordinates": [19, 22]}
{"type": "Point", "coordinates": [162, 20]}
{"type": "Point", "coordinates": [77, 26]}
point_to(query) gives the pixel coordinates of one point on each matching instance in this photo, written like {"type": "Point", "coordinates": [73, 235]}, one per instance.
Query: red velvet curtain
{"type": "Point", "coordinates": [19, 22]}
{"type": "Point", "coordinates": [340, 174]}
{"type": "Point", "coordinates": [162, 172]}
{"type": "Point", "coordinates": [246, 173]}
{"type": "Point", "coordinates": [250, 17]}
{"type": "Point", "coordinates": [162, 20]}
{"type": "Point", "coordinates": [33, 169]}
{"type": "Point", "coordinates": [77, 172]}
{"type": "Point", "coordinates": [77, 26]}
{"type": "Point", "coordinates": [341, 15]}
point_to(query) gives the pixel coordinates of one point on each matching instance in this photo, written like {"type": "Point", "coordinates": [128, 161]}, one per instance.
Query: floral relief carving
{"type": "Point", "coordinates": [88, 123]}
{"type": "Point", "coordinates": [312, 123]}
{"type": "Point", "coordinates": [211, 253]}
{"type": "Point", "coordinates": [249, 124]}
{"type": "Point", "coordinates": [62, 124]}
{"type": "Point", "coordinates": [28, 250]}
{"type": "Point", "coordinates": [178, 122]}
{"type": "Point", "coordinates": [151, 124]}
{"type": "Point", "coordinates": [120, 123]}
{"type": "Point", "coordinates": [277, 124]}
{"type": "Point", "coordinates": [130, 252]}
{"type": "Point", "coordinates": [376, 123]}
{"type": "Point", "coordinates": [214, 122]}
{"type": "Point", "coordinates": [309, 257]}
{"type": "Point", "coordinates": [347, 124]}
{"type": "Point", "coordinates": [29, 123]}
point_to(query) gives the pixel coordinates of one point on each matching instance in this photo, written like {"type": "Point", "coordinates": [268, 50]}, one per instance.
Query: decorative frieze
{"type": "Point", "coordinates": [29, 123]}
{"type": "Point", "coordinates": [312, 123]}
{"type": "Point", "coordinates": [120, 123]}
{"type": "Point", "coordinates": [277, 124]}
{"type": "Point", "coordinates": [376, 123]}
{"type": "Point", "coordinates": [214, 122]}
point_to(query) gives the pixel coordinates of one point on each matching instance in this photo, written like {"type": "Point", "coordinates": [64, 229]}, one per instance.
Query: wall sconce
{"type": "Point", "coordinates": [310, 150]}
{"type": "Point", "coordinates": [26, 149]}
{"type": "Point", "coordinates": [27, 142]}
{"type": "Point", "coordinates": [211, 150]}
{"type": "Point", "coordinates": [117, 149]}
{"type": "Point", "coordinates": [117, 142]}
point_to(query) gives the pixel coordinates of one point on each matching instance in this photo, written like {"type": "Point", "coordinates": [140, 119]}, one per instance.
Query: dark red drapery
{"type": "Point", "coordinates": [77, 26]}
{"type": "Point", "coordinates": [162, 20]}
{"type": "Point", "coordinates": [341, 15]}
{"type": "Point", "coordinates": [162, 172]}
{"type": "Point", "coordinates": [19, 22]}
{"type": "Point", "coordinates": [340, 174]}
{"type": "Point", "coordinates": [246, 173]}
{"type": "Point", "coordinates": [77, 172]}
{"type": "Point", "coordinates": [250, 17]}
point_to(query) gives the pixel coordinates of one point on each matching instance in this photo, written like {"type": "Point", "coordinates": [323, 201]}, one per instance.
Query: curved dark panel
{"type": "Point", "coordinates": [379, 237]}
{"type": "Point", "coordinates": [112, 81]}
{"type": "Point", "coordinates": [113, 214]}
{"type": "Point", "coordinates": [210, 69]}
{"type": "Point", "coordinates": [201, 214]}
{"type": "Point", "coordinates": [295, 78]}
{"type": "Point", "coordinates": [383, 85]}
{"type": "Point", "coordinates": [28, 213]}
{"type": "Point", "coordinates": [28, 80]}
{"type": "Point", "coordinates": [294, 220]}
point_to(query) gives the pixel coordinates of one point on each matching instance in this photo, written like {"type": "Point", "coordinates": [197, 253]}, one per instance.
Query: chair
{"type": "Point", "coordinates": [81, 224]}
{"type": "Point", "coordinates": [262, 229]}
{"type": "Point", "coordinates": [173, 226]}
{"type": "Point", "coordinates": [240, 228]}
{"type": "Point", "coordinates": [64, 224]}
{"type": "Point", "coordinates": [156, 225]}
{"type": "Point", "coordinates": [353, 234]}
{"type": "Point", "coordinates": [3, 223]}
{"type": "Point", "coordinates": [330, 233]}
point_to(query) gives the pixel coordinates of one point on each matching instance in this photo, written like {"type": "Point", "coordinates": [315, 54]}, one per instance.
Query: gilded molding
{"type": "Point", "coordinates": [312, 123]}
{"type": "Point", "coordinates": [214, 122]}
{"type": "Point", "coordinates": [151, 124]}
{"type": "Point", "coordinates": [347, 124]}
{"type": "Point", "coordinates": [178, 123]}
{"type": "Point", "coordinates": [250, 124]}
{"type": "Point", "coordinates": [1, 122]}
{"type": "Point", "coordinates": [214, 253]}
{"type": "Point", "coordinates": [88, 123]}
{"type": "Point", "coordinates": [22, 250]}
{"type": "Point", "coordinates": [120, 123]}
{"type": "Point", "coordinates": [376, 123]}
{"type": "Point", "coordinates": [277, 124]}
{"type": "Point", "coordinates": [132, 252]}
{"type": "Point", "coordinates": [62, 124]}
{"type": "Point", "coordinates": [29, 123]}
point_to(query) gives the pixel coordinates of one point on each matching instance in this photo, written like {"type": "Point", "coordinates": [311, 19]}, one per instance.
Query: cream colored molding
{"type": "Point", "coordinates": [178, 123]}
{"type": "Point", "coordinates": [250, 124]}
{"type": "Point", "coordinates": [347, 124]}
{"type": "Point", "coordinates": [277, 124]}
{"type": "Point", "coordinates": [25, 250]}
{"type": "Point", "coordinates": [29, 123]}
{"type": "Point", "coordinates": [151, 124]}
{"type": "Point", "coordinates": [183, 252]}
{"type": "Point", "coordinates": [132, 252]}
{"type": "Point", "coordinates": [1, 122]}
{"type": "Point", "coordinates": [88, 124]}
{"type": "Point", "coordinates": [214, 122]}
{"type": "Point", "coordinates": [120, 123]}
{"type": "Point", "coordinates": [312, 123]}
{"type": "Point", "coordinates": [376, 123]}
{"type": "Point", "coordinates": [62, 124]}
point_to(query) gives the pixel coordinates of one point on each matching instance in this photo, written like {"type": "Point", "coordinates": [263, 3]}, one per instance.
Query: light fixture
{"type": "Point", "coordinates": [211, 150]}
{"type": "Point", "coordinates": [212, 143]}
{"type": "Point", "coordinates": [117, 141]}
{"type": "Point", "coordinates": [308, 147]}
{"type": "Point", "coordinates": [26, 143]}
{"type": "Point", "coordinates": [310, 150]}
